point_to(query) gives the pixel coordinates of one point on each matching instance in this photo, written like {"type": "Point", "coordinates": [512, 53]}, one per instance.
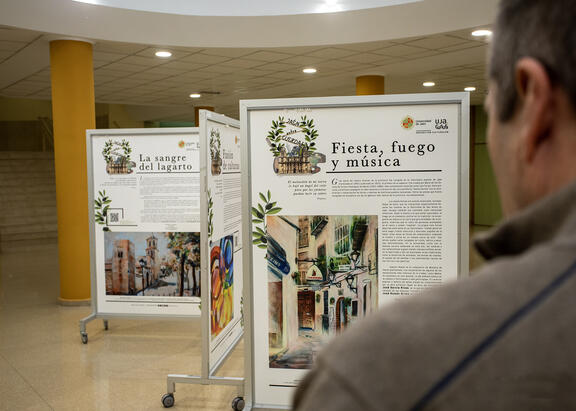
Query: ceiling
{"type": "Point", "coordinates": [129, 73]}
{"type": "Point", "coordinates": [413, 19]}
{"type": "Point", "coordinates": [245, 7]}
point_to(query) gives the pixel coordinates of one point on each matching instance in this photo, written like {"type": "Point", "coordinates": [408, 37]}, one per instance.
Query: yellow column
{"type": "Point", "coordinates": [369, 85]}
{"type": "Point", "coordinates": [73, 112]}
{"type": "Point", "coordinates": [197, 113]}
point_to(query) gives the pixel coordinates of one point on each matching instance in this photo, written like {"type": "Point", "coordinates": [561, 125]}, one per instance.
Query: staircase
{"type": "Point", "coordinates": [27, 200]}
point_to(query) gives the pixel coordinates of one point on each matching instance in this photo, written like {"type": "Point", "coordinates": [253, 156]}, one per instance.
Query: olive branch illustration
{"type": "Point", "coordinates": [102, 204]}
{"type": "Point", "coordinates": [109, 146]}
{"type": "Point", "coordinates": [310, 134]}
{"type": "Point", "coordinates": [276, 134]}
{"type": "Point", "coordinates": [267, 207]}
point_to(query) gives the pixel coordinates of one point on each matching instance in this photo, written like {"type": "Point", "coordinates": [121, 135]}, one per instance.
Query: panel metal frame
{"type": "Point", "coordinates": [207, 371]}
{"type": "Point", "coordinates": [249, 106]}
{"type": "Point", "coordinates": [129, 132]}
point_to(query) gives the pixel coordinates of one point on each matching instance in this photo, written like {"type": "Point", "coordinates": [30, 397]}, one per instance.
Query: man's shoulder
{"type": "Point", "coordinates": [400, 350]}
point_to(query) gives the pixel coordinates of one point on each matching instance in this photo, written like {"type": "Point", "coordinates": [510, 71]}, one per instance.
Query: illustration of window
{"type": "Point", "coordinates": [341, 235]}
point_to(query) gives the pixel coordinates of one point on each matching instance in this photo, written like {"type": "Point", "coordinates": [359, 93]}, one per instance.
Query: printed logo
{"type": "Point", "coordinates": [181, 144]}
{"type": "Point", "coordinates": [441, 124]}
{"type": "Point", "coordinates": [215, 152]}
{"type": "Point", "coordinates": [117, 157]}
{"type": "Point", "coordinates": [407, 122]}
{"type": "Point", "coordinates": [293, 145]}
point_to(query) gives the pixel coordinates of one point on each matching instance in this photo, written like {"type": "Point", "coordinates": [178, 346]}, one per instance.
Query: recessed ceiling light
{"type": "Point", "coordinates": [428, 84]}
{"type": "Point", "coordinates": [481, 33]}
{"type": "Point", "coordinates": [195, 95]}
{"type": "Point", "coordinates": [309, 70]}
{"type": "Point", "coordinates": [469, 88]}
{"type": "Point", "coordinates": [163, 54]}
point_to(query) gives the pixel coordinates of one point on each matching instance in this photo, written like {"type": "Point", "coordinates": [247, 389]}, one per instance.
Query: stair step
{"type": "Point", "coordinates": [27, 245]}
{"type": "Point", "coordinates": [27, 199]}
{"type": "Point", "coordinates": [23, 232]}
{"type": "Point", "coordinates": [25, 155]}
{"type": "Point", "coordinates": [26, 220]}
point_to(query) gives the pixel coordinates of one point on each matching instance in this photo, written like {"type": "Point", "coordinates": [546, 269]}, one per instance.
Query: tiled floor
{"type": "Point", "coordinates": [44, 365]}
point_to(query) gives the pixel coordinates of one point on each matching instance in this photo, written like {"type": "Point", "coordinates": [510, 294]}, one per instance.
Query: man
{"type": "Point", "coordinates": [504, 339]}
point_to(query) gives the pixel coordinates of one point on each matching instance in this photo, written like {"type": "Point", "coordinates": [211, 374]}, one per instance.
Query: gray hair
{"type": "Point", "coordinates": [541, 29]}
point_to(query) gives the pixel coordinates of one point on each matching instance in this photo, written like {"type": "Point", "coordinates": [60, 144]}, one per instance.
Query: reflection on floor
{"type": "Point", "coordinates": [44, 366]}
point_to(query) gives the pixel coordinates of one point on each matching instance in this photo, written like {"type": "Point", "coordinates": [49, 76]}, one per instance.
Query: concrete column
{"type": "Point", "coordinates": [197, 113]}
{"type": "Point", "coordinates": [369, 85]}
{"type": "Point", "coordinates": [73, 112]}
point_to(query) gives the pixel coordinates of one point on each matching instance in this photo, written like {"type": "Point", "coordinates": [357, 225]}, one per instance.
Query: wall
{"type": "Point", "coordinates": [487, 209]}
{"type": "Point", "coordinates": [19, 109]}
{"type": "Point", "coordinates": [21, 129]}
{"type": "Point", "coordinates": [118, 117]}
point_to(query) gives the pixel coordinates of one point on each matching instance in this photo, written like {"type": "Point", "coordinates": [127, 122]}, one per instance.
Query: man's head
{"type": "Point", "coordinates": [532, 99]}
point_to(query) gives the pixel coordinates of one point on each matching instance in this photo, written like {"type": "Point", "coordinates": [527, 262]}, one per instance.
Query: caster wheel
{"type": "Point", "coordinates": [168, 400]}
{"type": "Point", "coordinates": [238, 404]}
{"type": "Point", "coordinates": [84, 338]}
{"type": "Point", "coordinates": [106, 325]}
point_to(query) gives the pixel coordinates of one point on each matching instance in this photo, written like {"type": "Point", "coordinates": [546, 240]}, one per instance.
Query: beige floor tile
{"type": "Point", "coordinates": [15, 392]}
{"type": "Point", "coordinates": [44, 365]}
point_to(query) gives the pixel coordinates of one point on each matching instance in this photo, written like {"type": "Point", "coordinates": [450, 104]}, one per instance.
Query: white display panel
{"type": "Point", "coordinates": [355, 203]}
{"type": "Point", "coordinates": [220, 144]}
{"type": "Point", "coordinates": [145, 206]}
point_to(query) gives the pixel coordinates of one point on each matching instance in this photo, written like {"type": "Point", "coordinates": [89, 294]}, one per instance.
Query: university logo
{"type": "Point", "coordinates": [441, 124]}
{"type": "Point", "coordinates": [407, 122]}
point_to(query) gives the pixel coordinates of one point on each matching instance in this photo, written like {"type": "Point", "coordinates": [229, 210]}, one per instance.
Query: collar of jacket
{"type": "Point", "coordinates": [548, 218]}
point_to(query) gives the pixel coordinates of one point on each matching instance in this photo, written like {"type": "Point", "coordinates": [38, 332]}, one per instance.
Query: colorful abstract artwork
{"type": "Point", "coordinates": [222, 284]}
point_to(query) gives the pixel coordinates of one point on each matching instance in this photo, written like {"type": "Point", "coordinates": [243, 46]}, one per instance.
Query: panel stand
{"type": "Point", "coordinates": [207, 376]}
{"type": "Point", "coordinates": [84, 321]}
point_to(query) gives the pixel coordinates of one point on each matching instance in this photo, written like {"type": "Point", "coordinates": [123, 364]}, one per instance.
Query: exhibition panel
{"type": "Point", "coordinates": [220, 148]}
{"type": "Point", "coordinates": [350, 203]}
{"type": "Point", "coordinates": [144, 196]}
{"type": "Point", "coordinates": [221, 252]}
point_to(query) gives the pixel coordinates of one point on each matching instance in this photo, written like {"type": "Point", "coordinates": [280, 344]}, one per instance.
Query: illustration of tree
{"type": "Point", "coordinates": [267, 207]}
{"type": "Point", "coordinates": [183, 245]}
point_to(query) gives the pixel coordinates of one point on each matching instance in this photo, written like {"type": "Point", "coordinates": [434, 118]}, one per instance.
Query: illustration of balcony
{"type": "Point", "coordinates": [317, 225]}
{"type": "Point", "coordinates": [359, 228]}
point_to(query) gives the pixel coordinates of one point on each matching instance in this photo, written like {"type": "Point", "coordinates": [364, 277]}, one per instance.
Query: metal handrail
{"type": "Point", "coordinates": [47, 131]}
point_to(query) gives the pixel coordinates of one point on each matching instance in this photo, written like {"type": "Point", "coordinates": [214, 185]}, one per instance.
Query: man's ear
{"type": "Point", "coordinates": [535, 105]}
